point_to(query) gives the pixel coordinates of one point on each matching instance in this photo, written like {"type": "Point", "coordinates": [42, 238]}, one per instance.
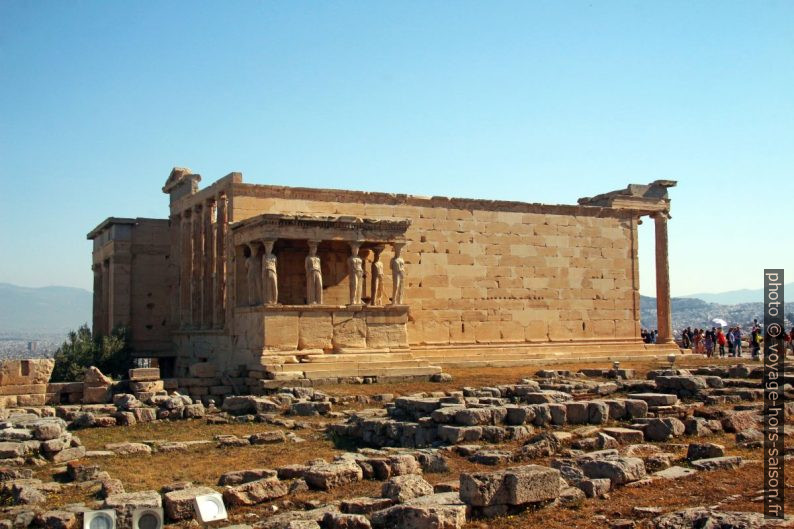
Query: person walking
{"type": "Point", "coordinates": [721, 341]}
{"type": "Point", "coordinates": [791, 340]}
{"type": "Point", "coordinates": [737, 338]}
{"type": "Point", "coordinates": [731, 342]}
{"type": "Point", "coordinates": [755, 343]}
{"type": "Point", "coordinates": [709, 342]}
{"type": "Point", "coordinates": [698, 340]}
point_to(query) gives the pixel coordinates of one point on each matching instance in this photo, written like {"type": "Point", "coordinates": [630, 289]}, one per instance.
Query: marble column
{"type": "Point", "coordinates": [198, 269]}
{"type": "Point", "coordinates": [186, 269]}
{"type": "Point", "coordinates": [220, 262]}
{"type": "Point", "coordinates": [663, 314]}
{"type": "Point", "coordinates": [209, 266]}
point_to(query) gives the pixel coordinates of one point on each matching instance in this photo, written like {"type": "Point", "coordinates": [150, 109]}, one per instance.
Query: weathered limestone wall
{"type": "Point", "coordinates": [133, 281]}
{"type": "Point", "coordinates": [483, 272]}
{"type": "Point", "coordinates": [151, 287]}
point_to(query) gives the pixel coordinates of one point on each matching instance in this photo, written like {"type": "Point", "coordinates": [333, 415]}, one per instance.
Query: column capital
{"type": "Point", "coordinates": [268, 245]}
{"type": "Point", "coordinates": [661, 216]}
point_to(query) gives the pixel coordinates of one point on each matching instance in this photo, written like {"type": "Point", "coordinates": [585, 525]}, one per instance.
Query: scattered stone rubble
{"type": "Point", "coordinates": [557, 439]}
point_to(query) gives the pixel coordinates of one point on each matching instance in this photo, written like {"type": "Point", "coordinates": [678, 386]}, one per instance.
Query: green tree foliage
{"type": "Point", "coordinates": [111, 354]}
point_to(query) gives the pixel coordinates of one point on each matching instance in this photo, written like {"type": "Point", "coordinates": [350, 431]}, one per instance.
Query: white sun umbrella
{"type": "Point", "coordinates": [719, 322]}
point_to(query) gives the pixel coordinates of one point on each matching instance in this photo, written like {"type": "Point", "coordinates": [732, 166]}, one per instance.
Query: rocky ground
{"type": "Point", "coordinates": [642, 446]}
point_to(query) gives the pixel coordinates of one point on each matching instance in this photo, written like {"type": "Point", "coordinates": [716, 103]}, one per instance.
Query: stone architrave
{"type": "Point", "coordinates": [314, 276]}
{"type": "Point", "coordinates": [252, 276]}
{"type": "Point", "coordinates": [356, 275]}
{"type": "Point", "coordinates": [377, 278]}
{"type": "Point", "coordinates": [398, 276]}
{"type": "Point", "coordinates": [269, 275]}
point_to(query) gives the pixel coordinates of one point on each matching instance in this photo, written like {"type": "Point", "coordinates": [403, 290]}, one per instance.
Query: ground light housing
{"type": "Point", "coordinates": [148, 518]}
{"type": "Point", "coordinates": [104, 519]}
{"type": "Point", "coordinates": [209, 508]}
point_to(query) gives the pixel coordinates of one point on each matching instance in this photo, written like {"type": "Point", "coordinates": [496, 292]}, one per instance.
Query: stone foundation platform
{"type": "Point", "coordinates": [507, 355]}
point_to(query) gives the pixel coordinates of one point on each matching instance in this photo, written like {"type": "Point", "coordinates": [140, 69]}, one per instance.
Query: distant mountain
{"type": "Point", "coordinates": [693, 312]}
{"type": "Point", "coordinates": [46, 310]}
{"type": "Point", "coordinates": [732, 297]}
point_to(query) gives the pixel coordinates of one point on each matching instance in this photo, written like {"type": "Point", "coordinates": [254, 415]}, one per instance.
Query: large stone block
{"type": "Point", "coordinates": [326, 476]}
{"type": "Point", "coordinates": [315, 330]}
{"type": "Point", "coordinates": [514, 486]}
{"type": "Point", "coordinates": [202, 370]}
{"type": "Point", "coordinates": [126, 502]}
{"type": "Point", "coordinates": [619, 471]}
{"type": "Point", "coordinates": [381, 335]}
{"type": "Point", "coordinates": [22, 372]}
{"type": "Point", "coordinates": [96, 395]}
{"type": "Point", "coordinates": [350, 330]}
{"type": "Point", "coordinates": [178, 504]}
{"type": "Point", "coordinates": [664, 429]}
{"type": "Point", "coordinates": [144, 374]}
{"type": "Point", "coordinates": [281, 331]}
{"type": "Point", "coordinates": [255, 492]}
{"type": "Point", "coordinates": [436, 511]}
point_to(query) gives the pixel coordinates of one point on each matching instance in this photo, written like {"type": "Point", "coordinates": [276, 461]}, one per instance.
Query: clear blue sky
{"type": "Point", "coordinates": [534, 101]}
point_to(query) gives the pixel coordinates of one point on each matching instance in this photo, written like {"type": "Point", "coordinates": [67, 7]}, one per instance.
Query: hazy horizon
{"type": "Point", "coordinates": [536, 102]}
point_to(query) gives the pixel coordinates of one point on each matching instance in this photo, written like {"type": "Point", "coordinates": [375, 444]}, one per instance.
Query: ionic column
{"type": "Point", "coordinates": [196, 279]}
{"type": "Point", "coordinates": [663, 313]}
{"type": "Point", "coordinates": [220, 262]}
{"type": "Point", "coordinates": [209, 265]}
{"type": "Point", "coordinates": [186, 269]}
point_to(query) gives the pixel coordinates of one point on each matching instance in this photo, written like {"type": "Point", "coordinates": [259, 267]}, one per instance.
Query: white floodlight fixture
{"type": "Point", "coordinates": [148, 518]}
{"type": "Point", "coordinates": [104, 519]}
{"type": "Point", "coordinates": [671, 359]}
{"type": "Point", "coordinates": [209, 507]}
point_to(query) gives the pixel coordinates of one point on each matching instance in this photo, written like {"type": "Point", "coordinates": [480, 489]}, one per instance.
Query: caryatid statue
{"type": "Point", "coordinates": [377, 278]}
{"type": "Point", "coordinates": [269, 275]}
{"type": "Point", "coordinates": [398, 276]}
{"type": "Point", "coordinates": [314, 276]}
{"type": "Point", "coordinates": [356, 267]}
{"type": "Point", "coordinates": [252, 275]}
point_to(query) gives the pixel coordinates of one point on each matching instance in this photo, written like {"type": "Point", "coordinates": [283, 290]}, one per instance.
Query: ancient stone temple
{"type": "Point", "coordinates": [265, 282]}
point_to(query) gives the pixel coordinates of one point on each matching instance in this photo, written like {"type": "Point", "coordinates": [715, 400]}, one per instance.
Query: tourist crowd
{"type": "Point", "coordinates": [728, 342]}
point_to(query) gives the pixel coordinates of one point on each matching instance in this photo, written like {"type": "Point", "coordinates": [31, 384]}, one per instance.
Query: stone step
{"type": "Point", "coordinates": [545, 348]}
{"type": "Point", "coordinates": [536, 360]}
{"type": "Point", "coordinates": [368, 371]}
{"type": "Point", "coordinates": [340, 366]}
{"type": "Point", "coordinates": [346, 357]}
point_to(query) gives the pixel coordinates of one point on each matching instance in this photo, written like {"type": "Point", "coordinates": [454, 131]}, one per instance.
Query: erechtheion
{"type": "Point", "coordinates": [273, 283]}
